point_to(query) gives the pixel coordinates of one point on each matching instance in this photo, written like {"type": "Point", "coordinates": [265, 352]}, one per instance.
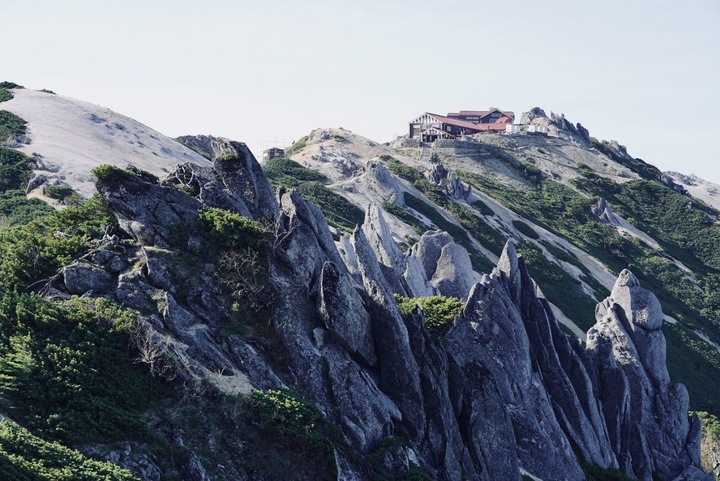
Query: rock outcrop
{"type": "Point", "coordinates": [446, 264]}
{"type": "Point", "coordinates": [452, 185]}
{"type": "Point", "coordinates": [504, 390]}
{"type": "Point", "coordinates": [557, 125]}
{"type": "Point", "coordinates": [647, 416]}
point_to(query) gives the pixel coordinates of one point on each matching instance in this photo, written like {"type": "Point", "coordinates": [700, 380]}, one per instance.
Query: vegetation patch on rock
{"type": "Point", "coordinates": [25, 457]}
{"type": "Point", "coordinates": [438, 311]}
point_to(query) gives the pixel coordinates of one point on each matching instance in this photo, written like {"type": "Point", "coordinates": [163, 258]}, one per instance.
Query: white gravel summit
{"type": "Point", "coordinates": [68, 138]}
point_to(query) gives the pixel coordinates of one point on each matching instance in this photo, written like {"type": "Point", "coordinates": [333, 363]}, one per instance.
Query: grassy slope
{"type": "Point", "coordinates": [339, 212]}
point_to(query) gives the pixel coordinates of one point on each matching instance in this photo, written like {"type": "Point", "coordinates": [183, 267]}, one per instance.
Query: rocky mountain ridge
{"type": "Point", "coordinates": [508, 385]}
{"type": "Point", "coordinates": [241, 291]}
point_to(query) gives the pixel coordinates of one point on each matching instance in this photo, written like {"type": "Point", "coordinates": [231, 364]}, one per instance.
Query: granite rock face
{"type": "Point", "coordinates": [504, 390]}
{"type": "Point", "coordinates": [648, 425]}
{"type": "Point", "coordinates": [452, 185]}
{"type": "Point", "coordinates": [446, 264]}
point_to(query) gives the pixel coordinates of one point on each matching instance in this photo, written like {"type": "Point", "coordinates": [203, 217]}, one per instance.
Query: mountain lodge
{"type": "Point", "coordinates": [430, 127]}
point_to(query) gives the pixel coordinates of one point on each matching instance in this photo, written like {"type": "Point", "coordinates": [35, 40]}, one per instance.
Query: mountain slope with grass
{"type": "Point", "coordinates": [495, 308]}
{"type": "Point", "coordinates": [581, 210]}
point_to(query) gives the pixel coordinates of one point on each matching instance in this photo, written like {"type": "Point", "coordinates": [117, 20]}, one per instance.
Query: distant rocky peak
{"type": "Point", "coordinates": [557, 125]}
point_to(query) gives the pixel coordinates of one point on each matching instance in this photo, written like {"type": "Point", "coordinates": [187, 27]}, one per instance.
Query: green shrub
{"type": "Point", "coordinates": [14, 170]}
{"type": "Point", "coordinates": [559, 287]}
{"type": "Point", "coordinates": [10, 125]}
{"type": "Point", "coordinates": [564, 212]}
{"type": "Point", "coordinates": [110, 173]}
{"type": "Point", "coordinates": [25, 457]}
{"type": "Point", "coordinates": [710, 439]}
{"type": "Point", "coordinates": [5, 94]}
{"type": "Point", "coordinates": [282, 171]}
{"type": "Point", "coordinates": [439, 311]}
{"type": "Point", "coordinates": [710, 424]}
{"type": "Point", "coordinates": [483, 207]}
{"type": "Point", "coordinates": [338, 211]}
{"type": "Point", "coordinates": [59, 192]}
{"type": "Point", "coordinates": [487, 235]}
{"type": "Point", "coordinates": [406, 172]}
{"type": "Point", "coordinates": [284, 412]}
{"type": "Point", "coordinates": [525, 229]}
{"type": "Point", "coordinates": [287, 435]}
{"type": "Point", "coordinates": [296, 146]}
{"type": "Point", "coordinates": [67, 370]}
{"type": "Point", "coordinates": [640, 167]}
{"type": "Point", "coordinates": [405, 216]}
{"type": "Point", "coordinates": [242, 262]}
{"type": "Point", "coordinates": [34, 251]}
{"type": "Point", "coordinates": [695, 363]}
{"type": "Point", "coordinates": [18, 209]}
{"type": "Point", "coordinates": [10, 85]}
{"type": "Point", "coordinates": [230, 230]}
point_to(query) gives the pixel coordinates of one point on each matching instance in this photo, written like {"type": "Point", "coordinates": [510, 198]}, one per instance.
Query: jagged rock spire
{"type": "Point", "coordinates": [646, 415]}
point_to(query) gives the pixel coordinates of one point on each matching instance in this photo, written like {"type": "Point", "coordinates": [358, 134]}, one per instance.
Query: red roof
{"type": "Point", "coordinates": [456, 122]}
{"type": "Point", "coordinates": [498, 126]}
{"type": "Point", "coordinates": [481, 113]}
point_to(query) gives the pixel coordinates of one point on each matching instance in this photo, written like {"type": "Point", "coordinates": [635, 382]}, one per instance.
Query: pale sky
{"type": "Point", "coordinates": [642, 72]}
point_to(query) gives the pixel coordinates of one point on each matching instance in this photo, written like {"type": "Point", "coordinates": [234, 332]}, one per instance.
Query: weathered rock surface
{"type": "Point", "coordinates": [452, 185]}
{"type": "Point", "coordinates": [604, 212]}
{"type": "Point", "coordinates": [446, 264]}
{"type": "Point", "coordinates": [379, 180]}
{"type": "Point", "coordinates": [82, 277]}
{"type": "Point", "coordinates": [490, 335]}
{"type": "Point", "coordinates": [344, 314]}
{"type": "Point", "coordinates": [648, 425]}
{"type": "Point", "coordinates": [507, 390]}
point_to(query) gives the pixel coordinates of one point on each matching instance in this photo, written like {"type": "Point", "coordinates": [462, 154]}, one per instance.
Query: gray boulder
{"type": "Point", "coordinates": [236, 181]}
{"type": "Point", "coordinates": [81, 277]}
{"type": "Point", "coordinates": [446, 264]}
{"type": "Point", "coordinates": [381, 182]}
{"type": "Point", "coordinates": [242, 175]}
{"type": "Point", "coordinates": [347, 394]}
{"type": "Point", "coordinates": [260, 374]}
{"type": "Point", "coordinates": [149, 212]}
{"type": "Point", "coordinates": [454, 276]}
{"type": "Point", "coordinates": [490, 336]}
